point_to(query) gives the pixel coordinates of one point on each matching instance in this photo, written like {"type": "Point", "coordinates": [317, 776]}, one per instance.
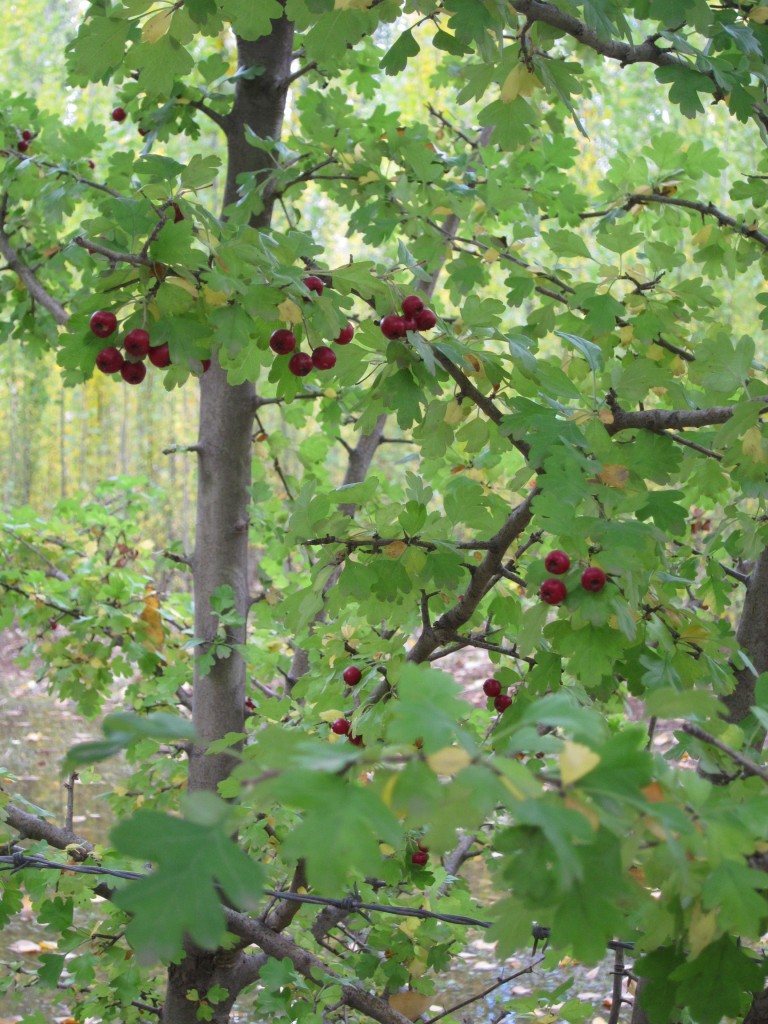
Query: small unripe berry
{"type": "Point", "coordinates": [557, 562]}
{"type": "Point", "coordinates": [593, 579]}
{"type": "Point", "coordinates": [352, 675]}
{"type": "Point", "coordinates": [553, 591]}
{"type": "Point", "coordinates": [491, 687]}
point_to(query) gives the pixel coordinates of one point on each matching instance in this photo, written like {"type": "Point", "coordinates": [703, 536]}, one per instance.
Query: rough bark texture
{"type": "Point", "coordinates": [752, 637]}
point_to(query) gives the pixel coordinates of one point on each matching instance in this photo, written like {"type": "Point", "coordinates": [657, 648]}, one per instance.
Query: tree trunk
{"type": "Point", "coordinates": [223, 491]}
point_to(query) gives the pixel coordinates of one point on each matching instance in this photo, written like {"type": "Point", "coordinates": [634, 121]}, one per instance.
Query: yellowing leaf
{"type": "Point", "coordinates": [289, 312]}
{"type": "Point", "coordinates": [156, 27]}
{"type": "Point", "coordinates": [752, 445]}
{"type": "Point", "coordinates": [519, 82]}
{"type": "Point", "coordinates": [186, 286]}
{"type": "Point", "coordinates": [411, 1004]}
{"type": "Point", "coordinates": [490, 255]}
{"type": "Point", "coordinates": [626, 334]}
{"type": "Point", "coordinates": [351, 5]}
{"type": "Point", "coordinates": [576, 760]}
{"type": "Point", "coordinates": [614, 475]}
{"type": "Point", "coordinates": [693, 632]}
{"type": "Point", "coordinates": [442, 211]}
{"type": "Point", "coordinates": [655, 352]}
{"type": "Point", "coordinates": [702, 235]}
{"type": "Point", "coordinates": [214, 298]}
{"type": "Point", "coordinates": [702, 930]}
{"type": "Point", "coordinates": [474, 362]}
{"type": "Point", "coordinates": [454, 413]}
{"type": "Point", "coordinates": [150, 616]}
{"type": "Point", "coordinates": [395, 549]}
{"type": "Point", "coordinates": [580, 417]}
{"type": "Point", "coordinates": [367, 179]}
{"type": "Point", "coordinates": [758, 14]}
{"type": "Point", "coordinates": [449, 760]}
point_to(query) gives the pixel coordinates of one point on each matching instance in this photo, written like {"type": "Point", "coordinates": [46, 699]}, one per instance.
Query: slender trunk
{"type": "Point", "coordinates": [223, 490]}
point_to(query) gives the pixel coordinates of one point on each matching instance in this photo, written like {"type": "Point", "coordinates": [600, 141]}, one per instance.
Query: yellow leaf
{"type": "Point", "coordinates": [576, 760]}
{"type": "Point", "coordinates": [449, 760]}
{"type": "Point", "coordinates": [395, 549]}
{"type": "Point", "coordinates": [156, 27]}
{"type": "Point", "coordinates": [474, 362]}
{"type": "Point", "coordinates": [581, 416]}
{"type": "Point", "coordinates": [214, 298]}
{"type": "Point", "coordinates": [331, 393]}
{"type": "Point", "coordinates": [490, 255]}
{"type": "Point", "coordinates": [386, 850]}
{"type": "Point", "coordinates": [442, 211]}
{"type": "Point", "coordinates": [186, 286]}
{"type": "Point", "coordinates": [367, 179]}
{"type": "Point", "coordinates": [454, 413]}
{"type": "Point", "coordinates": [519, 82]}
{"type": "Point", "coordinates": [289, 312]}
{"type": "Point", "coordinates": [388, 790]}
{"type": "Point", "coordinates": [351, 5]}
{"type": "Point", "coordinates": [331, 715]}
{"type": "Point", "coordinates": [655, 352]}
{"type": "Point", "coordinates": [153, 624]}
{"type": "Point", "coordinates": [410, 1004]}
{"type": "Point", "coordinates": [693, 632]}
{"type": "Point", "coordinates": [702, 930]}
{"type": "Point", "coordinates": [752, 445]}
{"type": "Point", "coordinates": [702, 235]}
{"type": "Point", "coordinates": [758, 14]}
{"type": "Point", "coordinates": [614, 475]}
{"type": "Point", "coordinates": [626, 334]}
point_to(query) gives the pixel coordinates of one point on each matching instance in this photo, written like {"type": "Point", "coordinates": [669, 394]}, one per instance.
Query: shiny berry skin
{"type": "Point", "coordinates": [593, 579]}
{"type": "Point", "coordinates": [419, 857]}
{"type": "Point", "coordinates": [553, 591]}
{"type": "Point", "coordinates": [392, 327]}
{"type": "Point", "coordinates": [323, 358]}
{"type": "Point", "coordinates": [557, 562]}
{"type": "Point", "coordinates": [352, 675]}
{"type": "Point", "coordinates": [26, 135]}
{"type": "Point", "coordinates": [22, 146]}
{"type": "Point", "coordinates": [346, 335]}
{"type": "Point", "coordinates": [136, 343]}
{"type": "Point", "coordinates": [160, 356]}
{"type": "Point", "coordinates": [300, 364]}
{"type": "Point", "coordinates": [341, 727]}
{"type": "Point", "coordinates": [119, 115]}
{"type": "Point", "coordinates": [110, 360]}
{"type": "Point", "coordinates": [412, 305]}
{"type": "Point", "coordinates": [282, 341]}
{"type": "Point", "coordinates": [425, 320]}
{"type": "Point", "coordinates": [409, 323]}
{"type": "Point", "coordinates": [491, 687]}
{"type": "Point", "coordinates": [502, 702]}
{"type": "Point", "coordinates": [314, 284]}
{"type": "Point", "coordinates": [133, 373]}
{"type": "Point", "coordinates": [103, 323]}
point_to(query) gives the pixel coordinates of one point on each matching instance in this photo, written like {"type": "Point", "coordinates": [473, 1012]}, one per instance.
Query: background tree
{"type": "Point", "coordinates": [577, 488]}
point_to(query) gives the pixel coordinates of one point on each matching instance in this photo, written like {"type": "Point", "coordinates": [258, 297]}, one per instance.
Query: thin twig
{"type": "Point", "coordinates": [746, 763]}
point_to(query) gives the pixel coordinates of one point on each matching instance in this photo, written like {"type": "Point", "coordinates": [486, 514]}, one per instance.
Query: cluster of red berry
{"type": "Point", "coordinates": [553, 591]}
{"type": "Point", "coordinates": [493, 688]}
{"type": "Point", "coordinates": [23, 144]}
{"type": "Point", "coordinates": [341, 727]}
{"type": "Point", "coordinates": [136, 344]}
{"type": "Point", "coordinates": [283, 342]}
{"type": "Point", "coordinates": [416, 317]}
{"type": "Point", "coordinates": [420, 856]}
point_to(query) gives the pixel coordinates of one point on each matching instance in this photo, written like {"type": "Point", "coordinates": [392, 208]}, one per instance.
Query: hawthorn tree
{"type": "Point", "coordinates": [564, 466]}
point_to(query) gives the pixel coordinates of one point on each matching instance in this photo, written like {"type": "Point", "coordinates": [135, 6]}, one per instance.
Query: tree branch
{"type": "Point", "coordinates": [25, 274]}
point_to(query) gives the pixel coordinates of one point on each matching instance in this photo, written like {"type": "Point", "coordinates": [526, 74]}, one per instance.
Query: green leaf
{"type": "Point", "coordinates": [396, 58]}
{"type": "Point", "coordinates": [250, 20]}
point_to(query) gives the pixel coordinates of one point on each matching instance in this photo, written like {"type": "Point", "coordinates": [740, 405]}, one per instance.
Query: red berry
{"type": "Point", "coordinates": [357, 740]}
{"type": "Point", "coordinates": [491, 687]}
{"type": "Point", "coordinates": [282, 341]}
{"type": "Point", "coordinates": [110, 360]}
{"type": "Point", "coordinates": [323, 358]}
{"type": "Point", "coordinates": [206, 365]}
{"type": "Point", "coordinates": [314, 284]}
{"type": "Point", "coordinates": [133, 373]}
{"type": "Point", "coordinates": [502, 702]}
{"type": "Point", "coordinates": [557, 562]}
{"type": "Point", "coordinates": [425, 320]}
{"type": "Point", "coordinates": [119, 115]}
{"type": "Point", "coordinates": [412, 305]}
{"type": "Point", "coordinates": [136, 343]}
{"type": "Point", "coordinates": [593, 579]}
{"type": "Point", "coordinates": [103, 323]}
{"type": "Point", "coordinates": [22, 146]}
{"type": "Point", "coordinates": [341, 727]}
{"type": "Point", "coordinates": [143, 132]}
{"type": "Point", "coordinates": [346, 335]}
{"type": "Point", "coordinates": [92, 165]}
{"type": "Point", "coordinates": [300, 364]}
{"type": "Point", "coordinates": [177, 214]}
{"type": "Point", "coordinates": [392, 327]}
{"type": "Point", "coordinates": [160, 356]}
{"type": "Point", "coordinates": [409, 323]}
{"type": "Point", "coordinates": [352, 675]}
{"type": "Point", "coordinates": [422, 846]}
{"type": "Point", "coordinates": [419, 857]}
{"type": "Point", "coordinates": [26, 135]}
{"type": "Point", "coordinates": [553, 591]}
{"type": "Point", "coordinates": [250, 706]}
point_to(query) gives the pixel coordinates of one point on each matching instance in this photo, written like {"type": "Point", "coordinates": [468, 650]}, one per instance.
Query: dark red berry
{"type": "Point", "coordinates": [249, 705]}
{"type": "Point", "coordinates": [206, 365]}
{"type": "Point", "coordinates": [593, 579]}
{"type": "Point", "coordinates": [419, 857]}
{"type": "Point", "coordinates": [177, 214]}
{"type": "Point", "coordinates": [133, 373]}
{"type": "Point", "coordinates": [136, 343]}
{"type": "Point", "coordinates": [352, 675]}
{"type": "Point", "coordinates": [323, 358]}
{"type": "Point", "coordinates": [346, 335]}
{"type": "Point", "coordinates": [357, 740]}
{"type": "Point", "coordinates": [412, 305]}
{"type": "Point", "coordinates": [314, 284]}
{"type": "Point", "coordinates": [22, 146]}
{"type": "Point", "coordinates": [422, 846]}
{"type": "Point", "coordinates": [409, 323]}
{"type": "Point", "coordinates": [143, 132]}
{"type": "Point", "coordinates": [92, 165]}
{"type": "Point", "coordinates": [557, 562]}
{"type": "Point", "coordinates": [119, 115]}
{"type": "Point", "coordinates": [341, 727]}
{"type": "Point", "coordinates": [553, 591]}
{"type": "Point", "coordinates": [392, 327]}
{"type": "Point", "coordinates": [282, 341]}
{"type": "Point", "coordinates": [425, 320]}
{"type": "Point", "coordinates": [103, 323]}
{"type": "Point", "coordinates": [160, 356]}
{"type": "Point", "coordinates": [491, 687]}
{"type": "Point", "coordinates": [300, 364]}
{"type": "Point", "coordinates": [26, 135]}
{"type": "Point", "coordinates": [502, 702]}
{"type": "Point", "coordinates": [110, 360]}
